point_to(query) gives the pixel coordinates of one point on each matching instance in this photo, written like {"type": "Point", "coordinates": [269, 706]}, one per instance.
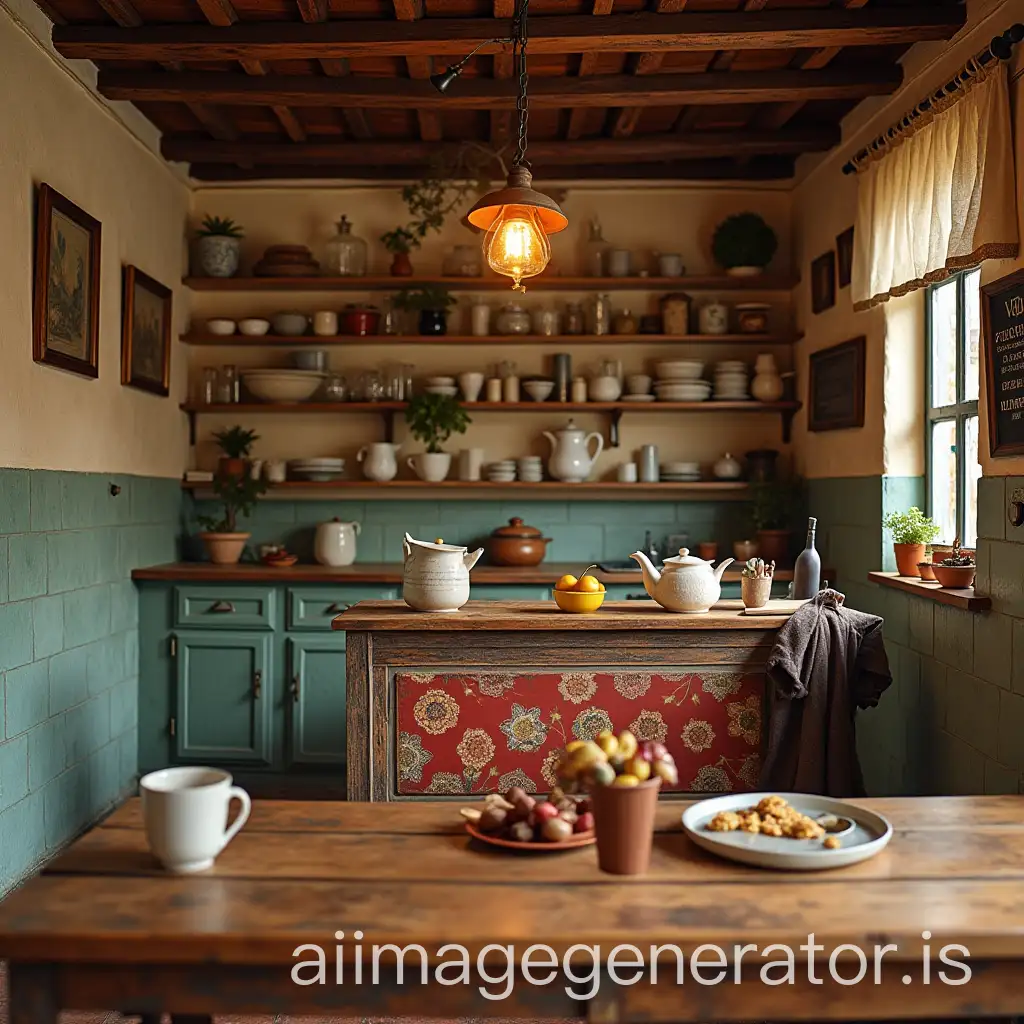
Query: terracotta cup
{"type": "Point", "coordinates": [624, 823]}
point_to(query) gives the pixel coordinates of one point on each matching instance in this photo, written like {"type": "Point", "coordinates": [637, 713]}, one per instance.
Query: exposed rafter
{"type": "Point", "coordinates": [588, 66]}
{"type": "Point", "coordinates": [501, 120]}
{"type": "Point", "coordinates": [419, 67]}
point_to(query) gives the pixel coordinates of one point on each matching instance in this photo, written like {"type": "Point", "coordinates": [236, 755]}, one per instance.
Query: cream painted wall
{"type": "Point", "coordinates": [59, 132]}
{"type": "Point", "coordinates": [666, 219]}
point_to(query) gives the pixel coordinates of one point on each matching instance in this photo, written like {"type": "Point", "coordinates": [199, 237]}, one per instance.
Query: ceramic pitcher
{"type": "Point", "coordinates": [378, 461]}
{"type": "Point", "coordinates": [435, 575]}
{"type": "Point", "coordinates": [336, 542]}
{"type": "Point", "coordinates": [571, 460]}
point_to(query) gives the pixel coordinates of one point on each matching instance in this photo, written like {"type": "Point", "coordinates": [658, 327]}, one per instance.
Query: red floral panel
{"type": "Point", "coordinates": [464, 733]}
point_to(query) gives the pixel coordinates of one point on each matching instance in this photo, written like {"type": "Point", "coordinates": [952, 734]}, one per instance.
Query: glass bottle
{"type": "Point", "coordinates": [594, 250]}
{"type": "Point", "coordinates": [573, 322]}
{"type": "Point", "coordinates": [227, 385]}
{"type": "Point", "coordinates": [346, 253]}
{"type": "Point", "coordinates": [389, 318]}
{"type": "Point", "coordinates": [600, 314]}
{"type": "Point", "coordinates": [208, 386]}
{"type": "Point", "coordinates": [807, 571]}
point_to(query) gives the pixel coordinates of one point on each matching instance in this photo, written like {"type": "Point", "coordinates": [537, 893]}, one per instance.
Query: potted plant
{"type": "Point", "coordinates": [911, 532]}
{"type": "Point", "coordinates": [400, 242]}
{"type": "Point", "coordinates": [218, 247]}
{"type": "Point", "coordinates": [744, 244]}
{"type": "Point", "coordinates": [433, 419]}
{"type": "Point", "coordinates": [238, 495]}
{"type": "Point", "coordinates": [756, 583]}
{"type": "Point", "coordinates": [432, 302]}
{"type": "Point", "coordinates": [957, 570]}
{"type": "Point", "coordinates": [773, 505]}
{"type": "Point", "coordinates": [236, 444]}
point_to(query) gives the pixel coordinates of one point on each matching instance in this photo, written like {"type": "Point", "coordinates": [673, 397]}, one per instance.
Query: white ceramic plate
{"type": "Point", "coordinates": [638, 398]}
{"type": "Point", "coordinates": [870, 835]}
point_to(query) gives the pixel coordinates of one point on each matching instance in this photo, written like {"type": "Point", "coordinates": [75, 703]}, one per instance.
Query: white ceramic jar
{"type": "Point", "coordinates": [727, 468]}
{"type": "Point", "coordinates": [336, 542]}
{"type": "Point", "coordinates": [435, 576]}
{"type": "Point", "coordinates": [714, 318]}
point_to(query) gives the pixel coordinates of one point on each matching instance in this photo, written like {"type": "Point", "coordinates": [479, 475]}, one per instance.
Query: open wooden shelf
{"type": "Point", "coordinates": [695, 282]}
{"type": "Point", "coordinates": [957, 597]}
{"type": "Point", "coordinates": [435, 340]}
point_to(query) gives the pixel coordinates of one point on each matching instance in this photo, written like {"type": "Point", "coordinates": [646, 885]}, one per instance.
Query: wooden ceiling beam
{"type": "Point", "coordinates": [652, 148]}
{"type": "Point", "coordinates": [557, 34]}
{"type": "Point", "coordinates": [504, 66]}
{"type": "Point", "coordinates": [420, 67]}
{"type": "Point", "coordinates": [588, 66]}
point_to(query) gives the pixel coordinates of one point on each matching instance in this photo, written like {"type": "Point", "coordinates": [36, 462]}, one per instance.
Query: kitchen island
{"type": "Point", "coordinates": [484, 699]}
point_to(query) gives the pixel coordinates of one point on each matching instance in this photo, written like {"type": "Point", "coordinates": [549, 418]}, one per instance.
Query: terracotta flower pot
{"type": "Point", "coordinates": [955, 576]}
{"type": "Point", "coordinates": [773, 545]}
{"type": "Point", "coordinates": [231, 467]}
{"type": "Point", "coordinates": [401, 265]}
{"type": "Point", "coordinates": [907, 558]}
{"type": "Point", "coordinates": [624, 824]}
{"type": "Point", "coordinates": [225, 548]}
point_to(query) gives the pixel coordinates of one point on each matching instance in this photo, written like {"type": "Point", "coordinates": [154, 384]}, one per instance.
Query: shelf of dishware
{"type": "Point", "coordinates": [304, 408]}
{"type": "Point", "coordinates": [693, 282]}
{"type": "Point", "coordinates": [436, 340]}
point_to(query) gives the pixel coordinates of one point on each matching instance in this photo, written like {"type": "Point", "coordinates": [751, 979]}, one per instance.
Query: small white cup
{"type": "Point", "coordinates": [185, 811]}
{"type": "Point", "coordinates": [471, 461]}
{"type": "Point", "coordinates": [325, 323]}
{"type": "Point", "coordinates": [276, 470]}
{"type": "Point", "coordinates": [627, 472]}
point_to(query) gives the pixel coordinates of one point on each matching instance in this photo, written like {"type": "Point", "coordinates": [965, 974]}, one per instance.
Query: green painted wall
{"type": "Point", "coordinates": [69, 648]}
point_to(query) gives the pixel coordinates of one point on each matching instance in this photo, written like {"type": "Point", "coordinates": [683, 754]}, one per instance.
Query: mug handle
{"type": "Point", "coordinates": [410, 462]}
{"type": "Point", "coordinates": [239, 794]}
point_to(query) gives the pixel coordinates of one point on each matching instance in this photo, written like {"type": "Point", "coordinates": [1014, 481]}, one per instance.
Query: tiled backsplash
{"type": "Point", "coordinates": [69, 648]}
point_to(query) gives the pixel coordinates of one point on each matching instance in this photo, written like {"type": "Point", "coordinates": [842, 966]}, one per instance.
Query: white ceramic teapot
{"type": "Point", "coordinates": [685, 584]}
{"type": "Point", "coordinates": [379, 461]}
{"type": "Point", "coordinates": [436, 575]}
{"type": "Point", "coordinates": [571, 460]}
{"type": "Point", "coordinates": [336, 542]}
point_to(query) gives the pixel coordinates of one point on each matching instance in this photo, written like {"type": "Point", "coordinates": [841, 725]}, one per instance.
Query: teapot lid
{"type": "Point", "coordinates": [684, 560]}
{"type": "Point", "coordinates": [570, 428]}
{"type": "Point", "coordinates": [516, 528]}
{"type": "Point", "coordinates": [437, 545]}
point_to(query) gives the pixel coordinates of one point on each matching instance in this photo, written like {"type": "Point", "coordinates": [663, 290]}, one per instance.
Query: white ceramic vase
{"type": "Point", "coordinates": [430, 466]}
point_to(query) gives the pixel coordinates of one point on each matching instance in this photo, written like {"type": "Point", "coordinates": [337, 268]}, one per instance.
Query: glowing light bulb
{"type": "Point", "coordinates": [516, 244]}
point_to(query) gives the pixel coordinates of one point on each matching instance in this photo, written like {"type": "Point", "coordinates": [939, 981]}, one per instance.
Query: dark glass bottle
{"type": "Point", "coordinates": [807, 571]}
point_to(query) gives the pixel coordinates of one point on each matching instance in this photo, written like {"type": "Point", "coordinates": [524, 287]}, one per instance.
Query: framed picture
{"type": "Point", "coordinates": [823, 282]}
{"type": "Point", "coordinates": [145, 332]}
{"type": "Point", "coordinates": [844, 258]}
{"type": "Point", "coordinates": [836, 387]}
{"type": "Point", "coordinates": [1002, 327]}
{"type": "Point", "coordinates": [66, 286]}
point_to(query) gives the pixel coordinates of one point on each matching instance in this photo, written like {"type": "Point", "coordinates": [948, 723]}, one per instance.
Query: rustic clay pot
{"type": "Point", "coordinates": [955, 576]}
{"type": "Point", "coordinates": [927, 571]}
{"type": "Point", "coordinates": [624, 824]}
{"type": "Point", "coordinates": [401, 265]}
{"type": "Point", "coordinates": [231, 467]}
{"type": "Point", "coordinates": [907, 558]}
{"type": "Point", "coordinates": [517, 544]}
{"type": "Point", "coordinates": [773, 546]}
{"type": "Point", "coordinates": [225, 548]}
{"type": "Point", "coordinates": [755, 591]}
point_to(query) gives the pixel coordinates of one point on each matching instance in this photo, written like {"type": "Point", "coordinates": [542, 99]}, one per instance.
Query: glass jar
{"type": "Point", "coordinates": [463, 261]}
{"type": "Point", "coordinates": [227, 385]}
{"type": "Point", "coordinates": [675, 313]}
{"type": "Point", "coordinates": [335, 388]}
{"type": "Point", "coordinates": [573, 320]}
{"type": "Point", "coordinates": [346, 253]}
{"type": "Point", "coordinates": [600, 314]}
{"type": "Point", "coordinates": [389, 318]}
{"type": "Point", "coordinates": [512, 319]}
{"type": "Point", "coordinates": [624, 323]}
{"type": "Point", "coordinates": [546, 322]}
{"type": "Point", "coordinates": [372, 386]}
{"type": "Point", "coordinates": [208, 386]}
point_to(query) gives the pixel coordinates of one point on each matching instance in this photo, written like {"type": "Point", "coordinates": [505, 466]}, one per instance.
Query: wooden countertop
{"type": "Point", "coordinates": [391, 572]}
{"type": "Point", "coordinates": [510, 616]}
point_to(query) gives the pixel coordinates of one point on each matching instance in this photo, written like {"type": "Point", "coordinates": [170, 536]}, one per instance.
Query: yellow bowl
{"type": "Point", "coordinates": [574, 601]}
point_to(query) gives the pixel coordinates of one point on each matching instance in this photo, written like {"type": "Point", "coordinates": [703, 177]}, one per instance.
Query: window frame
{"type": "Point", "coordinates": [962, 410]}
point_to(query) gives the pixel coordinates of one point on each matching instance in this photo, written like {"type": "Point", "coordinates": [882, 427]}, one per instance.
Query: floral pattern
{"type": "Point", "coordinates": [468, 733]}
{"type": "Point", "coordinates": [436, 712]}
{"type": "Point", "coordinates": [577, 687]}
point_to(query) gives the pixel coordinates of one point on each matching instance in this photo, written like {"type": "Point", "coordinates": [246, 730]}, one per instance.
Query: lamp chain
{"type": "Point", "coordinates": [519, 37]}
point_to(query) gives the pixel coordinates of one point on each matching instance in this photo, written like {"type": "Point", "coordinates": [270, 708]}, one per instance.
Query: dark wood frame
{"type": "Point", "coordinates": [858, 346]}
{"type": "Point", "coordinates": [844, 258]}
{"type": "Point", "coordinates": [820, 302]}
{"type": "Point", "coordinates": [48, 200]}
{"type": "Point", "coordinates": [989, 293]}
{"type": "Point", "coordinates": [131, 277]}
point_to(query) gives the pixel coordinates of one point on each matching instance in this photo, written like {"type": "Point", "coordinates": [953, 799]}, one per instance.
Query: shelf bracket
{"type": "Point", "coordinates": [787, 425]}
{"type": "Point", "coordinates": [389, 427]}
{"type": "Point", "coordinates": [613, 433]}
{"type": "Point", "coordinates": [191, 428]}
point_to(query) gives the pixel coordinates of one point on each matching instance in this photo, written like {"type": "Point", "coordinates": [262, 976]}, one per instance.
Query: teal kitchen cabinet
{"type": "Point", "coordinates": [316, 699]}
{"type": "Point", "coordinates": [222, 697]}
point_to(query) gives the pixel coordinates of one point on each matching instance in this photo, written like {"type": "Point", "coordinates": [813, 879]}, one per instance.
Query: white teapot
{"type": "Point", "coordinates": [685, 584]}
{"type": "Point", "coordinates": [436, 575]}
{"type": "Point", "coordinates": [571, 460]}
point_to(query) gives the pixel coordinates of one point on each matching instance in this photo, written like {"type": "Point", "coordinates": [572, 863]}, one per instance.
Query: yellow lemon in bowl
{"type": "Point", "coordinates": [575, 601]}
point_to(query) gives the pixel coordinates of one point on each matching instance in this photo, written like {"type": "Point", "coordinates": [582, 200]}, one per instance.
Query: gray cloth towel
{"type": "Point", "coordinates": [827, 661]}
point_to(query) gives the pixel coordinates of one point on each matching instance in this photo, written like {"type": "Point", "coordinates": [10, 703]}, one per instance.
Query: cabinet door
{"type": "Point", "coordinates": [317, 699]}
{"type": "Point", "coordinates": [223, 699]}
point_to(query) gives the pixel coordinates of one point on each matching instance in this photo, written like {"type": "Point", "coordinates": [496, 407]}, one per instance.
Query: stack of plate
{"type": "Point", "coordinates": [441, 386]}
{"type": "Point", "coordinates": [679, 369]}
{"type": "Point", "coordinates": [680, 472]}
{"type": "Point", "coordinates": [682, 390]}
{"type": "Point", "coordinates": [317, 470]}
{"type": "Point", "coordinates": [531, 470]}
{"type": "Point", "coordinates": [503, 472]}
{"type": "Point", "coordinates": [731, 381]}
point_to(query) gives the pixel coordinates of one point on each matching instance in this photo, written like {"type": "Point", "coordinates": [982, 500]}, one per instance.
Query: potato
{"type": "Point", "coordinates": [666, 771]}
{"type": "Point", "coordinates": [555, 830]}
{"type": "Point", "coordinates": [521, 832]}
{"type": "Point", "coordinates": [639, 767]}
{"type": "Point", "coordinates": [607, 742]}
{"type": "Point", "coordinates": [515, 794]}
{"type": "Point", "coordinates": [602, 774]}
{"type": "Point", "coordinates": [584, 823]}
{"type": "Point", "coordinates": [627, 744]}
{"type": "Point", "coordinates": [626, 780]}
{"type": "Point", "coordinates": [492, 820]}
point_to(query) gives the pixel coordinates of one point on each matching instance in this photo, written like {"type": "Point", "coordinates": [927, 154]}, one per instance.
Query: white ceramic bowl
{"type": "Point", "coordinates": [253, 327]}
{"type": "Point", "coordinates": [439, 381]}
{"type": "Point", "coordinates": [442, 389]}
{"type": "Point", "coordinates": [680, 369]}
{"type": "Point", "coordinates": [638, 383]}
{"type": "Point", "coordinates": [221, 327]}
{"type": "Point", "coordinates": [290, 325]}
{"type": "Point", "coordinates": [539, 390]}
{"type": "Point", "coordinates": [284, 386]}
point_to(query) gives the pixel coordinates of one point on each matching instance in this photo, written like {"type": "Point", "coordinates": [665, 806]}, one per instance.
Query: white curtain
{"type": "Point", "coordinates": [940, 198]}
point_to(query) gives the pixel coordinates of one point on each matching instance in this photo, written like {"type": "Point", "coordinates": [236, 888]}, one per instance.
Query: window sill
{"type": "Point", "coordinates": [963, 598]}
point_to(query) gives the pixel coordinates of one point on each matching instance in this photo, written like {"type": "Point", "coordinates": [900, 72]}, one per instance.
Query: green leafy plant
{"type": "Point", "coordinates": [221, 226]}
{"type": "Point", "coordinates": [774, 504]}
{"type": "Point", "coordinates": [400, 240]}
{"type": "Point", "coordinates": [238, 496]}
{"type": "Point", "coordinates": [956, 557]}
{"type": "Point", "coordinates": [744, 240]}
{"type": "Point", "coordinates": [236, 442]}
{"type": "Point", "coordinates": [433, 419]}
{"type": "Point", "coordinates": [432, 297]}
{"type": "Point", "coordinates": [910, 527]}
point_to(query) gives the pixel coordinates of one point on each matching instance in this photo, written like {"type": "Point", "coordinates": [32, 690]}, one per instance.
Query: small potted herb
{"type": "Point", "coordinates": [433, 419]}
{"type": "Point", "coordinates": [238, 496]}
{"type": "Point", "coordinates": [911, 532]}
{"type": "Point", "coordinates": [756, 580]}
{"type": "Point", "coordinates": [957, 570]}
{"type": "Point", "coordinates": [219, 246]}
{"type": "Point", "coordinates": [236, 444]}
{"type": "Point", "coordinates": [400, 243]}
{"type": "Point", "coordinates": [744, 244]}
{"type": "Point", "coordinates": [432, 302]}
{"type": "Point", "coordinates": [773, 506]}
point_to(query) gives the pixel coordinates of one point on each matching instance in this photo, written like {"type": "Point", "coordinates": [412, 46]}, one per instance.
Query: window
{"type": "Point", "coordinates": [954, 339]}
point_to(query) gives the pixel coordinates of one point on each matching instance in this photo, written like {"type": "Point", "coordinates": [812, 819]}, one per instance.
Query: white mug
{"type": "Point", "coordinates": [471, 461]}
{"type": "Point", "coordinates": [185, 811]}
{"type": "Point", "coordinates": [325, 323]}
{"type": "Point", "coordinates": [276, 470]}
{"type": "Point", "coordinates": [627, 472]}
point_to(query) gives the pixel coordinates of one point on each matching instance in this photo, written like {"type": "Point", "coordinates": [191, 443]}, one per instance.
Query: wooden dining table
{"type": "Point", "coordinates": [104, 927]}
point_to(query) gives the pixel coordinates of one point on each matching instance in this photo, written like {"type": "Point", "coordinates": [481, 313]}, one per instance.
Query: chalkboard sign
{"type": "Point", "coordinates": [837, 387]}
{"type": "Point", "coordinates": [1002, 318]}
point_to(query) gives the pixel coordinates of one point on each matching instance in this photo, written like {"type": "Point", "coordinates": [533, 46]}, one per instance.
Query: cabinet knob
{"type": "Point", "coordinates": [257, 684]}
{"type": "Point", "coordinates": [222, 608]}
{"type": "Point", "coordinates": [337, 608]}
{"type": "Point", "coordinates": [295, 688]}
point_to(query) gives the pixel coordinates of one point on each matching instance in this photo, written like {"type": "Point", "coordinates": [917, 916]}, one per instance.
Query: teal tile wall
{"type": "Point", "coordinates": [953, 722]}
{"type": "Point", "coordinates": [69, 648]}
{"type": "Point", "coordinates": [579, 530]}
